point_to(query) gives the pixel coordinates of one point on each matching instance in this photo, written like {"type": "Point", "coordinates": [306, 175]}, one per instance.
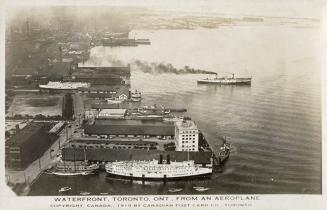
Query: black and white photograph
{"type": "Point", "coordinates": [162, 98]}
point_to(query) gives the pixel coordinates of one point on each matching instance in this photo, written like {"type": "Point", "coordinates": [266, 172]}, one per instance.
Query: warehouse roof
{"type": "Point", "coordinates": [130, 130]}
{"type": "Point", "coordinates": [112, 112]}
{"type": "Point", "coordinates": [121, 155]}
{"type": "Point", "coordinates": [32, 130]}
{"type": "Point", "coordinates": [105, 141]}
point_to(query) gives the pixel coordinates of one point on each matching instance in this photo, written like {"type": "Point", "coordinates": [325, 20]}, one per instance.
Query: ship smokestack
{"type": "Point", "coordinates": [168, 159]}
{"type": "Point", "coordinates": [160, 159]}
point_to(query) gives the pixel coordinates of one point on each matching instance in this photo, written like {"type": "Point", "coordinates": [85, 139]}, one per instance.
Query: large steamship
{"type": "Point", "coordinates": [157, 170]}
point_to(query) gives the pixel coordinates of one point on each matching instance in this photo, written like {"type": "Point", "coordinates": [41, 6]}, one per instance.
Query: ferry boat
{"type": "Point", "coordinates": [73, 168]}
{"type": "Point", "coordinates": [155, 170]}
{"type": "Point", "coordinates": [226, 80]}
{"type": "Point", "coordinates": [64, 85]}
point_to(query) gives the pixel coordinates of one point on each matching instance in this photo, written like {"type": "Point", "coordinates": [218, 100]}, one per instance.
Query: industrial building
{"type": "Point", "coordinates": [105, 114]}
{"type": "Point", "coordinates": [101, 75]}
{"type": "Point", "coordinates": [130, 128]}
{"type": "Point", "coordinates": [28, 144]}
{"type": "Point", "coordinates": [112, 144]}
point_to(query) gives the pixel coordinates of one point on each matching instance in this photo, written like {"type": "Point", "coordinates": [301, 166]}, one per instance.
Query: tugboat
{"type": "Point", "coordinates": [224, 151]}
{"type": "Point", "coordinates": [226, 80]}
{"type": "Point", "coordinates": [136, 96]}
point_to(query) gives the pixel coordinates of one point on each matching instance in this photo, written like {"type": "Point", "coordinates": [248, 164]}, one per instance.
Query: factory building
{"type": "Point", "coordinates": [28, 144]}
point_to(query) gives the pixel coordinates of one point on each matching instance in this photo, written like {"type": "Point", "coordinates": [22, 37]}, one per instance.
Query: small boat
{"type": "Point", "coordinates": [103, 193]}
{"type": "Point", "coordinates": [64, 189]}
{"type": "Point", "coordinates": [175, 190]}
{"type": "Point", "coordinates": [84, 193]}
{"type": "Point", "coordinates": [201, 189]}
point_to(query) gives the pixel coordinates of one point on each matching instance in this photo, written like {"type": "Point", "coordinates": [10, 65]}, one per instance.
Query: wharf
{"type": "Point", "coordinates": [218, 156]}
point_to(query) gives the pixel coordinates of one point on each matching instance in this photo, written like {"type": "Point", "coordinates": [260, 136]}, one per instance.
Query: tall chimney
{"type": "Point", "coordinates": [160, 159]}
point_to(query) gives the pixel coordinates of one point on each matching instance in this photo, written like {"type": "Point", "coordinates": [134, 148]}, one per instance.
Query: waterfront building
{"type": "Point", "coordinates": [105, 114]}
{"type": "Point", "coordinates": [113, 144]}
{"type": "Point", "coordinates": [203, 159]}
{"type": "Point", "coordinates": [186, 135]}
{"type": "Point", "coordinates": [28, 144]}
{"type": "Point", "coordinates": [130, 128]}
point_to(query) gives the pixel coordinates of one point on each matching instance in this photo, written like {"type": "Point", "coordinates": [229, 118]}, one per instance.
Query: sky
{"type": "Point", "coordinates": [279, 8]}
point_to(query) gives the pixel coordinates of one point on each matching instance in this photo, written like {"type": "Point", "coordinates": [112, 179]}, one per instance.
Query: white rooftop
{"type": "Point", "coordinates": [113, 111]}
{"type": "Point", "coordinates": [186, 124]}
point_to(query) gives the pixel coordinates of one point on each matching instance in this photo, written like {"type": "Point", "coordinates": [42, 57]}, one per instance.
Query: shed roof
{"type": "Point", "coordinates": [123, 155]}
{"type": "Point", "coordinates": [130, 130]}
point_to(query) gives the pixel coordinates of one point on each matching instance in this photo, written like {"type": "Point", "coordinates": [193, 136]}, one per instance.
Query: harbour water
{"type": "Point", "coordinates": [274, 125]}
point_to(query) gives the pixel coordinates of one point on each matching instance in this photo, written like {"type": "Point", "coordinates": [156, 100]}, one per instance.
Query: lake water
{"type": "Point", "coordinates": [274, 125]}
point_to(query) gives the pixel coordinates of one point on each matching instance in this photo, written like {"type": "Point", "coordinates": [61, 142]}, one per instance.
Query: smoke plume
{"type": "Point", "coordinates": [159, 68]}
{"type": "Point", "coordinates": [98, 60]}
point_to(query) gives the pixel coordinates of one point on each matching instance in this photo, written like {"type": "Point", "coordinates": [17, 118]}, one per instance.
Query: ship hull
{"type": "Point", "coordinates": [223, 82]}
{"type": "Point", "coordinates": [145, 178]}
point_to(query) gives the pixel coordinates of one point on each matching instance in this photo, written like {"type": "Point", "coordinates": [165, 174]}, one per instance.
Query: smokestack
{"type": "Point", "coordinates": [129, 94]}
{"type": "Point", "coordinates": [168, 159]}
{"type": "Point", "coordinates": [60, 54]}
{"type": "Point", "coordinates": [160, 159]}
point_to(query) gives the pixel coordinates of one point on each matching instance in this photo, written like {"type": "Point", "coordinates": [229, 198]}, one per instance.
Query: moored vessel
{"type": "Point", "coordinates": [157, 170]}
{"type": "Point", "coordinates": [64, 85]}
{"type": "Point", "coordinates": [136, 96]}
{"type": "Point", "coordinates": [72, 168]}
